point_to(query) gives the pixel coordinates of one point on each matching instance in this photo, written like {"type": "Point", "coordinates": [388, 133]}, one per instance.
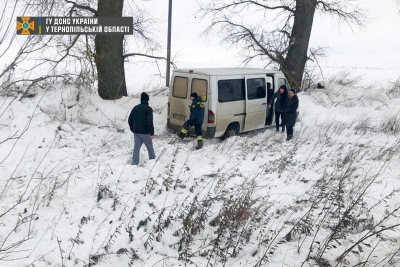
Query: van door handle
{"type": "Point", "coordinates": [263, 103]}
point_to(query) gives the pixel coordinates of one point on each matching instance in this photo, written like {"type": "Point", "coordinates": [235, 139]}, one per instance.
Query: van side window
{"type": "Point", "coordinates": [180, 87]}
{"type": "Point", "coordinates": [200, 87]}
{"type": "Point", "coordinates": [231, 90]}
{"type": "Point", "coordinates": [256, 88]}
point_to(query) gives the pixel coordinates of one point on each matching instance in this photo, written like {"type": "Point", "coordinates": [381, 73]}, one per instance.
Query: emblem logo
{"type": "Point", "coordinates": [25, 25]}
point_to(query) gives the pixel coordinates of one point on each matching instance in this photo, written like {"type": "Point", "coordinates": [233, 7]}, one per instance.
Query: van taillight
{"type": "Point", "coordinates": [168, 109]}
{"type": "Point", "coordinates": [211, 116]}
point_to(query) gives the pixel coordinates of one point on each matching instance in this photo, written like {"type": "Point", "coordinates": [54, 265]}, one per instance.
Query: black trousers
{"type": "Point", "coordinates": [289, 129]}
{"type": "Point", "coordinates": [197, 127]}
{"type": "Point", "coordinates": [278, 118]}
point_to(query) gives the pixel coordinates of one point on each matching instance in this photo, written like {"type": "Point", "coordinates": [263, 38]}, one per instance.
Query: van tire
{"type": "Point", "coordinates": [231, 130]}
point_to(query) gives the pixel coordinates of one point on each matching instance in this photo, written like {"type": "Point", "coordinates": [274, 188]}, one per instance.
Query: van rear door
{"type": "Point", "coordinates": [183, 85]}
{"type": "Point", "coordinates": [179, 111]}
{"type": "Point", "coordinates": [200, 85]}
{"type": "Point", "coordinates": [256, 102]}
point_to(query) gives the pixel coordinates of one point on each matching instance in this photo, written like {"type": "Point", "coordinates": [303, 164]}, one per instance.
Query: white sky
{"type": "Point", "coordinates": [371, 51]}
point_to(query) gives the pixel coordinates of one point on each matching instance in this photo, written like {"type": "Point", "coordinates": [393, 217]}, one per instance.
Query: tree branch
{"type": "Point", "coordinates": [87, 8]}
{"type": "Point", "coordinates": [67, 51]}
{"type": "Point", "coordinates": [142, 55]}
{"type": "Point", "coordinates": [248, 2]}
{"type": "Point", "coordinates": [145, 55]}
{"type": "Point", "coordinates": [248, 33]}
{"type": "Point", "coordinates": [335, 8]}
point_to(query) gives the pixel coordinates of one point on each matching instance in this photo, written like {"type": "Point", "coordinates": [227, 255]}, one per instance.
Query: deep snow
{"type": "Point", "coordinates": [69, 196]}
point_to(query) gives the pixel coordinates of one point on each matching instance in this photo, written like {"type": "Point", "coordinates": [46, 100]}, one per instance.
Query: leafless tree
{"type": "Point", "coordinates": [97, 57]}
{"type": "Point", "coordinates": [7, 38]}
{"type": "Point", "coordinates": [275, 31]}
{"type": "Point", "coordinates": [18, 75]}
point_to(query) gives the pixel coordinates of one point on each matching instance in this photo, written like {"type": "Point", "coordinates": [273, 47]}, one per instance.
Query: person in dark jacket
{"type": "Point", "coordinates": [281, 97]}
{"type": "Point", "coordinates": [196, 119]}
{"type": "Point", "coordinates": [141, 124]}
{"type": "Point", "coordinates": [290, 114]}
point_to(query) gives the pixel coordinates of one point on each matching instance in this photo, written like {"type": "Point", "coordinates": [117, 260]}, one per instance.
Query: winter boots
{"type": "Point", "coordinates": [182, 133]}
{"type": "Point", "coordinates": [199, 142]}
{"type": "Point", "coordinates": [280, 125]}
{"type": "Point", "coordinates": [289, 137]}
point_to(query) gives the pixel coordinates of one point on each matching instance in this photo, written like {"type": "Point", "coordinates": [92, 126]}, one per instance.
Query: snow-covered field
{"type": "Point", "coordinates": [69, 196]}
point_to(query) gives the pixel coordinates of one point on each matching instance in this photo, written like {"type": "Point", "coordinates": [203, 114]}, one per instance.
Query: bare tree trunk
{"type": "Point", "coordinates": [293, 65]}
{"type": "Point", "coordinates": [109, 55]}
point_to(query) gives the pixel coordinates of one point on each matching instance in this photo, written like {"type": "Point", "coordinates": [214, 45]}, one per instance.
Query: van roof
{"type": "Point", "coordinates": [226, 71]}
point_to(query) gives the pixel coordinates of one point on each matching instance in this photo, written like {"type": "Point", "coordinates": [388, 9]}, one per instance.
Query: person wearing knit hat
{"type": "Point", "coordinates": [144, 97]}
{"type": "Point", "coordinates": [141, 124]}
{"type": "Point", "coordinates": [196, 119]}
{"type": "Point", "coordinates": [290, 115]}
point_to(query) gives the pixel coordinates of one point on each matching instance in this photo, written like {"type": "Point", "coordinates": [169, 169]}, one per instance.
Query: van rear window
{"type": "Point", "coordinates": [180, 87]}
{"type": "Point", "coordinates": [231, 90]}
{"type": "Point", "coordinates": [200, 87]}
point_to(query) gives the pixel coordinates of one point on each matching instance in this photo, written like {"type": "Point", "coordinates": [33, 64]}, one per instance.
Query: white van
{"type": "Point", "coordinates": [235, 99]}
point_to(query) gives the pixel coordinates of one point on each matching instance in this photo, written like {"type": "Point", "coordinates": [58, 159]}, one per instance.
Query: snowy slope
{"type": "Point", "coordinates": [69, 197]}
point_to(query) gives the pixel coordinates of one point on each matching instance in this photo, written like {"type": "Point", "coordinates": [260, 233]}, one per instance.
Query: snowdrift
{"type": "Point", "coordinates": [69, 196]}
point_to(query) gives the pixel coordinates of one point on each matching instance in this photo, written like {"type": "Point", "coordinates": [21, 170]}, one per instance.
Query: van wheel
{"type": "Point", "coordinates": [232, 130]}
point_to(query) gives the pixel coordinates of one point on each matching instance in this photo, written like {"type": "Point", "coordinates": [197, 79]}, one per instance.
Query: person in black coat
{"type": "Point", "coordinates": [281, 97]}
{"type": "Point", "coordinates": [290, 115]}
{"type": "Point", "coordinates": [141, 124]}
{"type": "Point", "coordinates": [196, 119]}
